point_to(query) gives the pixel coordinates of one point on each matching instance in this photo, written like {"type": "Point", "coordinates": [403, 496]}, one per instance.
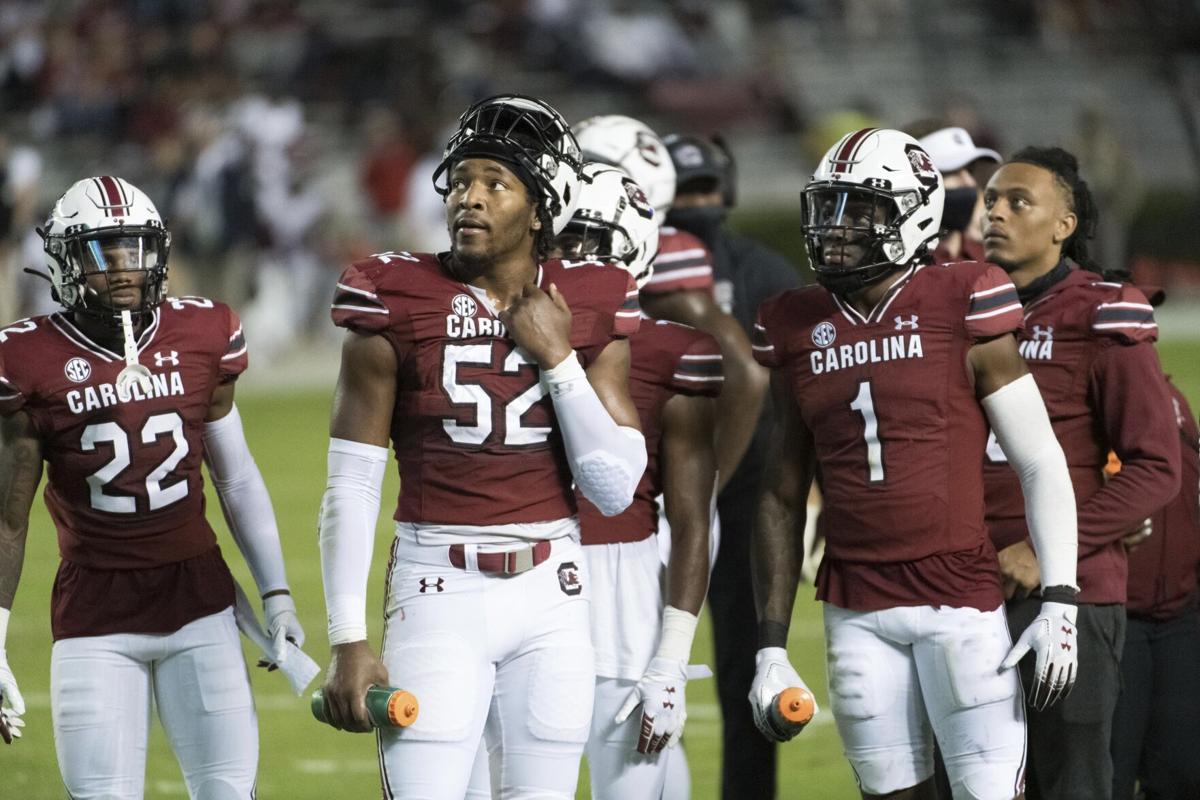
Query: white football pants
{"type": "Point", "coordinates": [900, 675]}
{"type": "Point", "coordinates": [513, 651]}
{"type": "Point", "coordinates": [101, 688]}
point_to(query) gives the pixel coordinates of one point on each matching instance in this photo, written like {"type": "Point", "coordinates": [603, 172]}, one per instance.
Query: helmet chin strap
{"type": "Point", "coordinates": [133, 371]}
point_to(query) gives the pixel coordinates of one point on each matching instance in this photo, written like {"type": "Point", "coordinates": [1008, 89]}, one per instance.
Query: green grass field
{"type": "Point", "coordinates": [303, 759]}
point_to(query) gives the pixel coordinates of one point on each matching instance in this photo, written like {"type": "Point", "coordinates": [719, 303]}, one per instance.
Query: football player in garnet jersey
{"type": "Point", "coordinates": [886, 377]}
{"type": "Point", "coordinates": [123, 396]}
{"type": "Point", "coordinates": [644, 616]}
{"type": "Point", "coordinates": [1090, 344]}
{"type": "Point", "coordinates": [500, 378]}
{"type": "Point", "coordinates": [681, 286]}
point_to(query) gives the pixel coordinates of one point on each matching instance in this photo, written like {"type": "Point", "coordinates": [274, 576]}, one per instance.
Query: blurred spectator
{"type": "Point", "coordinates": [386, 163]}
{"type": "Point", "coordinates": [1114, 182]}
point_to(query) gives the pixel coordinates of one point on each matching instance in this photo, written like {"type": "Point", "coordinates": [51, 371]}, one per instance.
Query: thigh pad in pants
{"type": "Point", "coordinates": [443, 671]}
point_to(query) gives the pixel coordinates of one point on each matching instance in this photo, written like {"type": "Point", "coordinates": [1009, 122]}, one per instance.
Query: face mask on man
{"type": "Point", "coordinates": [959, 207]}
{"type": "Point", "coordinates": [703, 222]}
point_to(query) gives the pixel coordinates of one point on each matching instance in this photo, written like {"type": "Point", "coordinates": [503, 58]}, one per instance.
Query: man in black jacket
{"type": "Point", "coordinates": [745, 273]}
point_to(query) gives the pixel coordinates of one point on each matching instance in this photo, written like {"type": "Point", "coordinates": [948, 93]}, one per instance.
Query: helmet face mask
{"type": "Point", "coordinates": [613, 222]}
{"type": "Point", "coordinates": [874, 206]}
{"type": "Point", "coordinates": [98, 228]}
{"type": "Point", "coordinates": [529, 137]}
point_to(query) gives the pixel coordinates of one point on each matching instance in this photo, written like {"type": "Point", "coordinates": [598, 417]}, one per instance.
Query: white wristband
{"type": "Point", "coordinates": [560, 380]}
{"type": "Point", "coordinates": [678, 631]}
{"type": "Point", "coordinates": [4, 615]}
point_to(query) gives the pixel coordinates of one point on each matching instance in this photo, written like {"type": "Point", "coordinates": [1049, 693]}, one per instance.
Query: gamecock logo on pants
{"type": "Point", "coordinates": [568, 578]}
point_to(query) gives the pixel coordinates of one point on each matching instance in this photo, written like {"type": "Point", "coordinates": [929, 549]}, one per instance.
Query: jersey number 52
{"type": "Point", "coordinates": [463, 393]}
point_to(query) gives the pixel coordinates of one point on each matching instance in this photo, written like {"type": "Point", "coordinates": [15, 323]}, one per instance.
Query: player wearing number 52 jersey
{"type": "Point", "coordinates": [885, 378]}
{"type": "Point", "coordinates": [499, 377]}
{"type": "Point", "coordinates": [123, 396]}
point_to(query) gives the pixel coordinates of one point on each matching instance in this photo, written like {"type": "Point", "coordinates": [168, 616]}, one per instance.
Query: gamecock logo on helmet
{"type": "Point", "coordinates": [922, 165]}
{"type": "Point", "coordinates": [648, 149]}
{"type": "Point", "coordinates": [638, 199]}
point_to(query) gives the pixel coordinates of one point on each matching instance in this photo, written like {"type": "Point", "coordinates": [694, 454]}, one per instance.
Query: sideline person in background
{"type": "Point", "coordinates": [1156, 743]}
{"type": "Point", "coordinates": [746, 273]}
{"type": "Point", "coordinates": [1090, 345]}
{"type": "Point", "coordinates": [955, 156]}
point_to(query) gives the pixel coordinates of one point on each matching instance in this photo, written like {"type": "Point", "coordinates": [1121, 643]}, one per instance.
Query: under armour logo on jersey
{"type": "Point", "coordinates": [172, 359]}
{"type": "Point", "coordinates": [1043, 334]}
{"type": "Point", "coordinates": [902, 323]}
{"type": "Point", "coordinates": [436, 585]}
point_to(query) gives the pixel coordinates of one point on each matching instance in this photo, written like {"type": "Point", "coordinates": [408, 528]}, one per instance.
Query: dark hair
{"type": "Point", "coordinates": [1065, 168]}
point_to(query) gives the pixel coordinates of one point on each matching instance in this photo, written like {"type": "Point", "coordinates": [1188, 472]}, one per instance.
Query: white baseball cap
{"type": "Point", "coordinates": [952, 149]}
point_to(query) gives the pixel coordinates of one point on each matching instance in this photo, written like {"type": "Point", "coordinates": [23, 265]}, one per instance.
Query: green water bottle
{"type": "Point", "coordinates": [387, 707]}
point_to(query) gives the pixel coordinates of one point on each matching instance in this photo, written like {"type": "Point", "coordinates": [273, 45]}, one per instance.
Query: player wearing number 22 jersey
{"type": "Point", "coordinates": [125, 489]}
{"type": "Point", "coordinates": [123, 396]}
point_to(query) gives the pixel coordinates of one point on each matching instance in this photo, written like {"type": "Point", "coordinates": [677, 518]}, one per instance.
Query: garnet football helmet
{"type": "Point", "coordinates": [630, 145]}
{"type": "Point", "coordinates": [532, 139]}
{"type": "Point", "coordinates": [873, 205]}
{"type": "Point", "coordinates": [99, 226]}
{"type": "Point", "coordinates": [613, 222]}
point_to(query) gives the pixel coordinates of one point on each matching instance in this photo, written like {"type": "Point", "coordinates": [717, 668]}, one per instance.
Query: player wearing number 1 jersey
{"type": "Point", "coordinates": [499, 378]}
{"type": "Point", "coordinates": [885, 379]}
{"type": "Point", "coordinates": [123, 396]}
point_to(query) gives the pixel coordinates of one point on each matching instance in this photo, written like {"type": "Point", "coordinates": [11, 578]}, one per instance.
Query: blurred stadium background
{"type": "Point", "coordinates": [282, 138]}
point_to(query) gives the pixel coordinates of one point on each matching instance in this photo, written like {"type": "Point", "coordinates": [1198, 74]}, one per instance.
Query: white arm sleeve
{"type": "Point", "coordinates": [606, 459]}
{"type": "Point", "coordinates": [1018, 417]}
{"type": "Point", "coordinates": [349, 512]}
{"type": "Point", "coordinates": [244, 500]}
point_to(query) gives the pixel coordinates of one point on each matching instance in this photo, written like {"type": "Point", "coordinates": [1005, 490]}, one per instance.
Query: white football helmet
{"type": "Point", "coordinates": [628, 144]}
{"type": "Point", "coordinates": [102, 225]}
{"type": "Point", "coordinates": [529, 136]}
{"type": "Point", "coordinates": [873, 205]}
{"type": "Point", "coordinates": [614, 222]}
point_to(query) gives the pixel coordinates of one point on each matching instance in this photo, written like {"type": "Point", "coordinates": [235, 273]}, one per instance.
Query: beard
{"type": "Point", "coordinates": [466, 267]}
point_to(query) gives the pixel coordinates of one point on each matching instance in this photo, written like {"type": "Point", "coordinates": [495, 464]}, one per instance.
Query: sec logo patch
{"type": "Point", "coordinates": [568, 578]}
{"type": "Point", "coordinates": [824, 334]}
{"type": "Point", "coordinates": [463, 305]}
{"type": "Point", "coordinates": [78, 370]}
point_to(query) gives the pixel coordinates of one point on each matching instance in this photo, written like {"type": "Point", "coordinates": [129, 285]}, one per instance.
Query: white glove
{"type": "Point", "coordinates": [282, 624]}
{"type": "Point", "coordinates": [1052, 636]}
{"type": "Point", "coordinates": [772, 674]}
{"type": "Point", "coordinates": [10, 717]}
{"type": "Point", "coordinates": [660, 693]}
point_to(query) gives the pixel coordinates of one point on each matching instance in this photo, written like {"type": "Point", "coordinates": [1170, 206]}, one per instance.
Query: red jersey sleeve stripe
{"type": "Point", "coordinates": [999, 297]}
{"type": "Point", "coordinates": [759, 340]}
{"type": "Point", "coordinates": [1011, 307]}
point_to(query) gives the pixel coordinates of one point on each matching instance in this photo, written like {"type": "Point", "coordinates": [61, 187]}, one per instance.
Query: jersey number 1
{"type": "Point", "coordinates": [864, 404]}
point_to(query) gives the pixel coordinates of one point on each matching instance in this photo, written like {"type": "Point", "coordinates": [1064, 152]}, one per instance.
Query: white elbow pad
{"type": "Point", "coordinates": [606, 459]}
{"type": "Point", "coordinates": [349, 513]}
{"type": "Point", "coordinates": [1022, 427]}
{"type": "Point", "coordinates": [609, 477]}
